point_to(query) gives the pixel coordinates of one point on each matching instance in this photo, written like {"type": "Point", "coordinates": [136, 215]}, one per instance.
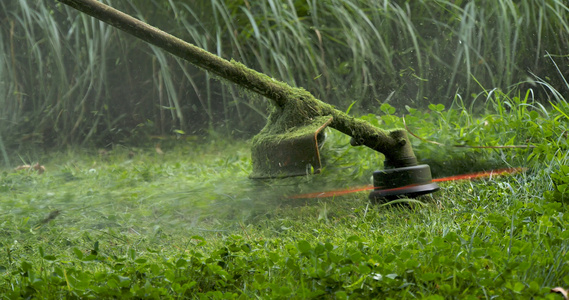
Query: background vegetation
{"type": "Point", "coordinates": [65, 78]}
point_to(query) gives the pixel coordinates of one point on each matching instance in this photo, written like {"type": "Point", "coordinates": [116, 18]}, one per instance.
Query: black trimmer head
{"type": "Point", "coordinates": [404, 182]}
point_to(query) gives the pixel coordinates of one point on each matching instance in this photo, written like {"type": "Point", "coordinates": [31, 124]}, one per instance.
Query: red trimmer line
{"type": "Point", "coordinates": [385, 192]}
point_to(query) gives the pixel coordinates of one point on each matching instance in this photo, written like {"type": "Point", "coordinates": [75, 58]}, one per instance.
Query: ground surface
{"type": "Point", "coordinates": [131, 222]}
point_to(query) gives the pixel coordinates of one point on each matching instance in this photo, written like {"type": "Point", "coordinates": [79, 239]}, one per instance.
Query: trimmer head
{"type": "Point", "coordinates": [394, 183]}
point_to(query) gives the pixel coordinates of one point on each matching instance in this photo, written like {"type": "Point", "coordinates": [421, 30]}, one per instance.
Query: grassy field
{"type": "Point", "coordinates": [187, 222]}
{"type": "Point", "coordinates": [146, 192]}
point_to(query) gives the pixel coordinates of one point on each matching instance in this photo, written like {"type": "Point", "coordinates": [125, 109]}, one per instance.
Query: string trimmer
{"type": "Point", "coordinates": [289, 144]}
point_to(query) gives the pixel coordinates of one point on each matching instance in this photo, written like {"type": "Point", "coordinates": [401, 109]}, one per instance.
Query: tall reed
{"type": "Point", "coordinates": [66, 78]}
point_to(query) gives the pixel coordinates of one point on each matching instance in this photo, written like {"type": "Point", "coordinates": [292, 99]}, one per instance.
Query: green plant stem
{"type": "Point", "coordinates": [4, 153]}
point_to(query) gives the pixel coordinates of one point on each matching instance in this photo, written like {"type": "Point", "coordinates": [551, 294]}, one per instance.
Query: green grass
{"type": "Point", "coordinates": [133, 223]}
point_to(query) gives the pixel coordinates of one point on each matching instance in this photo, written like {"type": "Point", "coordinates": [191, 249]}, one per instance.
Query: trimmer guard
{"type": "Point", "coordinates": [293, 153]}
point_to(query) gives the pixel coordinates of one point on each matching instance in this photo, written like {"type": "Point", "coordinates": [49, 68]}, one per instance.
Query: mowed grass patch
{"type": "Point", "coordinates": [189, 223]}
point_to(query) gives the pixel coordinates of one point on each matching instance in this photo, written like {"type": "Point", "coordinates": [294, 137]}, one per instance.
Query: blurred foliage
{"type": "Point", "coordinates": [65, 78]}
